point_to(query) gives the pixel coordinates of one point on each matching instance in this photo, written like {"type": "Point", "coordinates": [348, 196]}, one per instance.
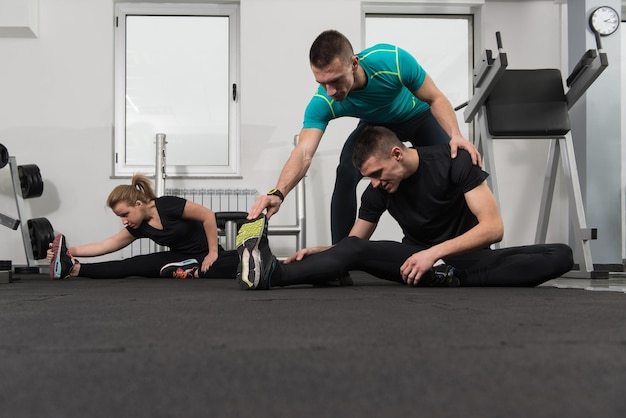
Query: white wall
{"type": "Point", "coordinates": [56, 110]}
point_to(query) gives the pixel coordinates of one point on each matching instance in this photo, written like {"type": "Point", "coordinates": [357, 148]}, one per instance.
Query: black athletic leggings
{"type": "Point", "coordinates": [515, 266]}
{"type": "Point", "coordinates": [420, 131]}
{"type": "Point", "coordinates": [149, 265]}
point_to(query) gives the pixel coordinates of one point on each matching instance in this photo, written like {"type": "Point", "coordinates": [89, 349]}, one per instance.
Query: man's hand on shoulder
{"type": "Point", "coordinates": [457, 142]}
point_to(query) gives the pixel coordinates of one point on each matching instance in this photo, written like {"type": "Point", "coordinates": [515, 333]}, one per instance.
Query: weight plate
{"type": "Point", "coordinates": [30, 180]}
{"type": "Point", "coordinates": [41, 235]}
{"type": "Point", "coordinates": [4, 156]}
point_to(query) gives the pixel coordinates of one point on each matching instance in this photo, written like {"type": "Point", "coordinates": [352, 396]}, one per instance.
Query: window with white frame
{"type": "Point", "coordinates": [176, 73]}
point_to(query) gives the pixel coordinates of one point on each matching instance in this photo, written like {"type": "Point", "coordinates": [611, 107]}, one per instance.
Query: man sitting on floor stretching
{"type": "Point", "coordinates": [448, 215]}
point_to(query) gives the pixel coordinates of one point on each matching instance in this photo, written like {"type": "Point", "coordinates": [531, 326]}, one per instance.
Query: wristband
{"type": "Point", "coordinates": [276, 192]}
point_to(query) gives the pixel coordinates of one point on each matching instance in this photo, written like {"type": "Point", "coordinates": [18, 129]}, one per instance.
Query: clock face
{"type": "Point", "coordinates": [604, 20]}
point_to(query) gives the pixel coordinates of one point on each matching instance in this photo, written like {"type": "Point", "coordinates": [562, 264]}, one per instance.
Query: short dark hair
{"type": "Point", "coordinates": [374, 141]}
{"type": "Point", "coordinates": [329, 45]}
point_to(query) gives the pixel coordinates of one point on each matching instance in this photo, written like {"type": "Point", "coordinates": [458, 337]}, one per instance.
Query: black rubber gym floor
{"type": "Point", "coordinates": [204, 348]}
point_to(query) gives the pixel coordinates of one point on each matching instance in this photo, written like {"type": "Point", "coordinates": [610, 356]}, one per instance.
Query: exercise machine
{"type": "Point", "coordinates": [532, 104]}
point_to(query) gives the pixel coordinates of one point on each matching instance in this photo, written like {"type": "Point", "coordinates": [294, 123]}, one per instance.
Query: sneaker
{"type": "Point", "coordinates": [185, 269]}
{"type": "Point", "coordinates": [256, 261]}
{"type": "Point", "coordinates": [443, 276]}
{"type": "Point", "coordinates": [62, 261]}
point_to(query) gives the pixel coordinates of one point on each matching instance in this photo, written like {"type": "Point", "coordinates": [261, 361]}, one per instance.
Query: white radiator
{"type": "Point", "coordinates": [218, 200]}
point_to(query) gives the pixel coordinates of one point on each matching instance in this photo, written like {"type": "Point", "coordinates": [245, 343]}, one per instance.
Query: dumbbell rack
{"type": "Point", "coordinates": [31, 263]}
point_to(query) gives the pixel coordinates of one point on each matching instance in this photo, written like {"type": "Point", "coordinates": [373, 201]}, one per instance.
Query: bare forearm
{"type": "Point", "coordinates": [109, 245]}
{"type": "Point", "coordinates": [442, 110]}
{"type": "Point", "coordinates": [481, 236]}
{"type": "Point", "coordinates": [91, 250]}
{"type": "Point", "coordinates": [293, 171]}
{"type": "Point", "coordinates": [210, 229]}
{"type": "Point", "coordinates": [300, 159]}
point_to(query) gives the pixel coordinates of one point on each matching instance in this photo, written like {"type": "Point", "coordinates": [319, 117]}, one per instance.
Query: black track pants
{"type": "Point", "coordinates": [149, 265]}
{"type": "Point", "coordinates": [515, 266]}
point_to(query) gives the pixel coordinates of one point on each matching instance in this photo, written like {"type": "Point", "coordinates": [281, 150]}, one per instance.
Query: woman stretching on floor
{"type": "Point", "coordinates": [187, 228]}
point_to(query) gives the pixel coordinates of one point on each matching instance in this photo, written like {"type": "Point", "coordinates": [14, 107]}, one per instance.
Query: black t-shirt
{"type": "Point", "coordinates": [180, 235]}
{"type": "Point", "coordinates": [429, 205]}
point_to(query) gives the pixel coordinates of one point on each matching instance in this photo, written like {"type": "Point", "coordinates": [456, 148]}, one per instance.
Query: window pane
{"type": "Point", "coordinates": [177, 83]}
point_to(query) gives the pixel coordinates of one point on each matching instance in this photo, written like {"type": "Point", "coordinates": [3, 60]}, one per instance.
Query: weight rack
{"type": "Point", "coordinates": [38, 232]}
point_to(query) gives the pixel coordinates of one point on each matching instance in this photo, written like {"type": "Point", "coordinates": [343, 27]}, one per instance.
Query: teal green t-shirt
{"type": "Point", "coordinates": [393, 75]}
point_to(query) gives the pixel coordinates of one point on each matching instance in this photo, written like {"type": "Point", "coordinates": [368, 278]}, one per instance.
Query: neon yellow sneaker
{"type": "Point", "coordinates": [256, 261]}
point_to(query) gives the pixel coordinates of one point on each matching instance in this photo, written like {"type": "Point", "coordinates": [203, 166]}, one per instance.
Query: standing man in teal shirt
{"type": "Point", "coordinates": [382, 85]}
